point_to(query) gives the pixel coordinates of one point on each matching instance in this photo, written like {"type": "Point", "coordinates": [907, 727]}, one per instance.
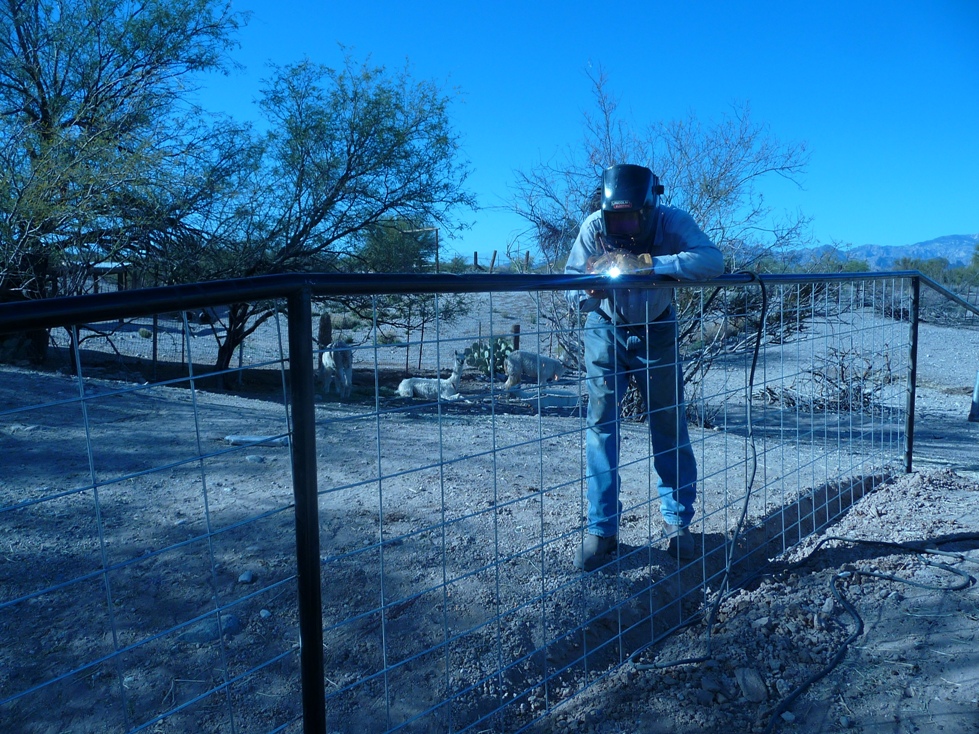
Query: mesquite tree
{"type": "Point", "coordinates": [106, 157]}
{"type": "Point", "coordinates": [99, 154]}
{"type": "Point", "coordinates": [347, 149]}
{"type": "Point", "coordinates": [95, 136]}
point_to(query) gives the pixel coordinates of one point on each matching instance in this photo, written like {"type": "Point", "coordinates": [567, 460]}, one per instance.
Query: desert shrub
{"type": "Point", "coordinates": [349, 321]}
{"type": "Point", "coordinates": [842, 381]}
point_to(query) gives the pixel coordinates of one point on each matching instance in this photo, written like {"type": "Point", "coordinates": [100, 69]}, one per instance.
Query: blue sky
{"type": "Point", "coordinates": [885, 94]}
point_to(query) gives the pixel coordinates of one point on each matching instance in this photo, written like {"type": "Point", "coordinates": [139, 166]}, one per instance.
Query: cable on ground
{"type": "Point", "coordinates": [835, 582]}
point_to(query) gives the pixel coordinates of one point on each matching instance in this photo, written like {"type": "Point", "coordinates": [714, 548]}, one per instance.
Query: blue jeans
{"type": "Point", "coordinates": [651, 353]}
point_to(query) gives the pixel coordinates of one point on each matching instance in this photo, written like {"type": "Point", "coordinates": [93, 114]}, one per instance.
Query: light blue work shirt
{"type": "Point", "coordinates": [680, 250]}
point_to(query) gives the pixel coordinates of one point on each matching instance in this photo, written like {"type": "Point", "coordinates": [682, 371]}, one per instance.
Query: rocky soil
{"type": "Point", "coordinates": [854, 633]}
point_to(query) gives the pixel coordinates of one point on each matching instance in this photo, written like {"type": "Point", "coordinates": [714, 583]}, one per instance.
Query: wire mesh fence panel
{"type": "Point", "coordinates": [148, 506]}
{"type": "Point", "coordinates": [470, 518]}
{"type": "Point", "coordinates": [137, 589]}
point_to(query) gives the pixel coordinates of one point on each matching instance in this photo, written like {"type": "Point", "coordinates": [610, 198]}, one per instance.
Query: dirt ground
{"type": "Point", "coordinates": [856, 634]}
{"type": "Point", "coordinates": [911, 664]}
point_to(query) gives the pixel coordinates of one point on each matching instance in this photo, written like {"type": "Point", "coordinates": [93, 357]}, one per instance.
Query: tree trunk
{"type": "Point", "coordinates": [237, 321]}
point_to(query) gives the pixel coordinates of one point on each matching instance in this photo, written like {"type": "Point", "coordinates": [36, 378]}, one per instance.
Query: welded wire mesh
{"type": "Point", "coordinates": [147, 508]}
{"type": "Point", "coordinates": [125, 531]}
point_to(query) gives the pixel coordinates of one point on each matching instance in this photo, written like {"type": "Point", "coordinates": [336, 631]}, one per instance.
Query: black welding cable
{"type": "Point", "coordinates": [967, 581]}
{"type": "Point", "coordinates": [732, 543]}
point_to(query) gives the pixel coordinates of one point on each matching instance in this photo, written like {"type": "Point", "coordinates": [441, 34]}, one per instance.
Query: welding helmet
{"type": "Point", "coordinates": [630, 195]}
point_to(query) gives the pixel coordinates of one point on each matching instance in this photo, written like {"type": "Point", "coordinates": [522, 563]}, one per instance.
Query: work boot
{"type": "Point", "coordinates": [681, 541]}
{"type": "Point", "coordinates": [595, 551]}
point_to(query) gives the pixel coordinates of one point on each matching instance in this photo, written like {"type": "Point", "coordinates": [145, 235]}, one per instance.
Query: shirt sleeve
{"type": "Point", "coordinates": [585, 246]}
{"type": "Point", "coordinates": [694, 256]}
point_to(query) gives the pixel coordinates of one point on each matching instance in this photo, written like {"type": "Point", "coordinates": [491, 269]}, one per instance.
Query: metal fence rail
{"type": "Point", "coordinates": [177, 557]}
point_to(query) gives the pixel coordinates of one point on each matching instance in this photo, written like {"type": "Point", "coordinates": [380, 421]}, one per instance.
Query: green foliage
{"type": "Point", "coordinates": [939, 270]}
{"type": "Point", "coordinates": [373, 147]}
{"type": "Point", "coordinates": [349, 150]}
{"type": "Point", "coordinates": [855, 266]}
{"type": "Point", "coordinates": [489, 357]}
{"type": "Point", "coordinates": [100, 157]}
{"type": "Point", "coordinates": [456, 264]}
{"type": "Point", "coordinates": [394, 246]}
{"type": "Point", "coordinates": [106, 156]}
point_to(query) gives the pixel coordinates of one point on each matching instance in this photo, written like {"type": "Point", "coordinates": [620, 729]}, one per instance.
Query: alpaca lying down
{"type": "Point", "coordinates": [522, 365]}
{"type": "Point", "coordinates": [336, 367]}
{"type": "Point", "coordinates": [433, 388]}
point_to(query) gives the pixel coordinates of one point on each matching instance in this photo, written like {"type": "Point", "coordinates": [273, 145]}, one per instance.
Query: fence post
{"type": "Point", "coordinates": [974, 411]}
{"type": "Point", "coordinates": [304, 487]}
{"type": "Point", "coordinates": [156, 337]}
{"type": "Point", "coordinates": [912, 374]}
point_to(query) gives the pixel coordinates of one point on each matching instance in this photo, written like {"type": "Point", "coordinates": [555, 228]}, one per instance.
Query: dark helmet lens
{"type": "Point", "coordinates": [622, 224]}
{"type": "Point", "coordinates": [627, 186]}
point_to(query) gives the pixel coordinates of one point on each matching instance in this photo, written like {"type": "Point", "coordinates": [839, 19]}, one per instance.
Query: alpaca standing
{"type": "Point", "coordinates": [432, 388]}
{"type": "Point", "coordinates": [520, 365]}
{"type": "Point", "coordinates": [336, 366]}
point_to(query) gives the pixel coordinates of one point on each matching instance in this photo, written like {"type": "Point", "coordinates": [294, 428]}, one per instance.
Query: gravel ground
{"type": "Point", "coordinates": [884, 654]}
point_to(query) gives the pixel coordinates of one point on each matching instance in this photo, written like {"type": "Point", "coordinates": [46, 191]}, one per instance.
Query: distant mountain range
{"type": "Point", "coordinates": [956, 248]}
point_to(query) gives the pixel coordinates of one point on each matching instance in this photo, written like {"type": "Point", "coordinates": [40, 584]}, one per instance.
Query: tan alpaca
{"type": "Point", "coordinates": [522, 365]}
{"type": "Point", "coordinates": [336, 367]}
{"type": "Point", "coordinates": [433, 388]}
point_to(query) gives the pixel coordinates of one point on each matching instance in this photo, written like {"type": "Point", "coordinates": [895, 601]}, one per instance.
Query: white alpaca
{"type": "Point", "coordinates": [336, 367]}
{"type": "Point", "coordinates": [541, 369]}
{"type": "Point", "coordinates": [432, 388]}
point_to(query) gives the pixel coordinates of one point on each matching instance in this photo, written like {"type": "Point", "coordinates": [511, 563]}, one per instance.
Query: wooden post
{"type": "Point", "coordinates": [156, 331]}
{"type": "Point", "coordinates": [974, 412]}
{"type": "Point", "coordinates": [324, 333]}
{"type": "Point", "coordinates": [516, 337]}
